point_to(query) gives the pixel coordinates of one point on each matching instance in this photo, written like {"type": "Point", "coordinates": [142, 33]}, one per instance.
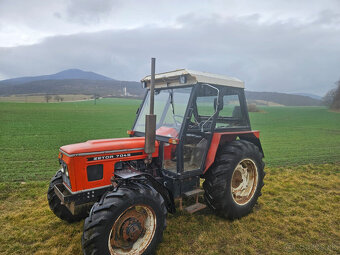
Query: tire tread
{"type": "Point", "coordinates": [100, 214]}
{"type": "Point", "coordinates": [216, 177]}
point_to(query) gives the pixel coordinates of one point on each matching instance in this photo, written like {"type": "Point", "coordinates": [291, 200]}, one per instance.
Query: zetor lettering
{"type": "Point", "coordinates": [113, 156]}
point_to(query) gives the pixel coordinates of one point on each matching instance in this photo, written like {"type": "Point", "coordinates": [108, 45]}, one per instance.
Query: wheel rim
{"type": "Point", "coordinates": [133, 231]}
{"type": "Point", "coordinates": [244, 181]}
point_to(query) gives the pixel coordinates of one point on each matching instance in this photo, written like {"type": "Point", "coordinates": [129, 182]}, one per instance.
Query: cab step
{"type": "Point", "coordinates": [193, 192]}
{"type": "Point", "coordinates": [195, 207]}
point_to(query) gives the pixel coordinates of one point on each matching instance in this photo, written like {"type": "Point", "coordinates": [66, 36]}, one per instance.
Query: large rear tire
{"type": "Point", "coordinates": [57, 208]}
{"type": "Point", "coordinates": [130, 220]}
{"type": "Point", "coordinates": [233, 184]}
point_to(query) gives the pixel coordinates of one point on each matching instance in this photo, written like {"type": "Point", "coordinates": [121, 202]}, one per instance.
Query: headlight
{"type": "Point", "coordinates": [63, 169]}
{"type": "Point", "coordinates": [66, 170]}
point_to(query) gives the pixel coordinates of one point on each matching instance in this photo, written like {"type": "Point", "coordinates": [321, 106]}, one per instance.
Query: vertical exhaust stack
{"type": "Point", "coordinates": [150, 119]}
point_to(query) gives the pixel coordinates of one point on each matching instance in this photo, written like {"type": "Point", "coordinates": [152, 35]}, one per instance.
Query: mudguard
{"type": "Point", "coordinates": [137, 176]}
{"type": "Point", "coordinates": [223, 137]}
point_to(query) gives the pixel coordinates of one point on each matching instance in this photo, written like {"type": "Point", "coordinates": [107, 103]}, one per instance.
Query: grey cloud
{"type": "Point", "coordinates": [89, 11]}
{"type": "Point", "coordinates": [283, 57]}
{"type": "Point", "coordinates": [328, 18]}
{"type": "Point", "coordinates": [57, 15]}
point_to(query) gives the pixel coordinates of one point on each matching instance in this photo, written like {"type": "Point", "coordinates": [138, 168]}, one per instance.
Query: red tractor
{"type": "Point", "coordinates": [197, 127]}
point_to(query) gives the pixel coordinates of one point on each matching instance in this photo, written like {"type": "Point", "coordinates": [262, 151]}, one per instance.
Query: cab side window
{"type": "Point", "coordinates": [231, 114]}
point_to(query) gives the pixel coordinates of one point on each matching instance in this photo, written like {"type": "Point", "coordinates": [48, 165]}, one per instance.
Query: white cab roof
{"type": "Point", "coordinates": [171, 79]}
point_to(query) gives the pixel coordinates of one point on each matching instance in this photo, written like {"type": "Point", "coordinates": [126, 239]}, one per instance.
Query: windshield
{"type": "Point", "coordinates": [170, 107]}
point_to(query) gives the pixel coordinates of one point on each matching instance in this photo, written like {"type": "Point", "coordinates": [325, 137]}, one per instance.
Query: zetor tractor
{"type": "Point", "coordinates": [190, 125]}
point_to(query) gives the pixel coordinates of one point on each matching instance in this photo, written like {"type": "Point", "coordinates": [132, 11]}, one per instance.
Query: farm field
{"type": "Point", "coordinates": [298, 212]}
{"type": "Point", "coordinates": [42, 99]}
{"type": "Point", "coordinates": [32, 133]}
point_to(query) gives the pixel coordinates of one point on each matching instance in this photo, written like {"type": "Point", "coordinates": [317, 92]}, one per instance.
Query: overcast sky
{"type": "Point", "coordinates": [276, 45]}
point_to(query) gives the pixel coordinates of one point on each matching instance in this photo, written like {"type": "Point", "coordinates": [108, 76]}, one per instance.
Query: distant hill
{"type": "Point", "coordinates": [75, 81]}
{"type": "Point", "coordinates": [70, 74]}
{"type": "Point", "coordinates": [308, 95]}
{"type": "Point", "coordinates": [72, 81]}
{"type": "Point", "coordinates": [74, 86]}
{"type": "Point", "coordinates": [282, 98]}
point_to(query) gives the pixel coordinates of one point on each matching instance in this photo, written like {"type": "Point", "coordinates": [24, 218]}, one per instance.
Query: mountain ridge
{"type": "Point", "coordinates": [68, 74]}
{"type": "Point", "coordinates": [76, 81]}
{"type": "Point", "coordinates": [308, 95]}
{"type": "Point", "coordinates": [282, 98]}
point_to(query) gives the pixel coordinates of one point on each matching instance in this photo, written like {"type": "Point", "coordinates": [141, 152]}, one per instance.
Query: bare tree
{"type": "Point", "coordinates": [336, 98]}
{"type": "Point", "coordinates": [332, 98]}
{"type": "Point", "coordinates": [57, 98]}
{"type": "Point", "coordinates": [48, 98]}
{"type": "Point", "coordinates": [327, 100]}
{"type": "Point", "coordinates": [95, 96]}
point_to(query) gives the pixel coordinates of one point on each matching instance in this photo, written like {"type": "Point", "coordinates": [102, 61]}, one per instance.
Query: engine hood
{"type": "Point", "coordinates": [105, 145]}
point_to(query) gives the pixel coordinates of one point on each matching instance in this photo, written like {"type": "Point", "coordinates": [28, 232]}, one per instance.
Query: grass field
{"type": "Point", "coordinates": [298, 212]}
{"type": "Point", "coordinates": [298, 135]}
{"type": "Point", "coordinates": [31, 134]}
{"type": "Point", "coordinates": [42, 99]}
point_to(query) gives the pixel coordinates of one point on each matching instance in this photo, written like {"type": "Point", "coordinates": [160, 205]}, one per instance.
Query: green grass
{"type": "Point", "coordinates": [298, 135]}
{"type": "Point", "coordinates": [298, 212]}
{"type": "Point", "coordinates": [32, 133]}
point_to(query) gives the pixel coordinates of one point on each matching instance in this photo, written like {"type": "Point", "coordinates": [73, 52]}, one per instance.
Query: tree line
{"type": "Point", "coordinates": [332, 97]}
{"type": "Point", "coordinates": [56, 98]}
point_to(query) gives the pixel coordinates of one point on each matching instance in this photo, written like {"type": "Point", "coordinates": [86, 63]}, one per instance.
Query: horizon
{"type": "Point", "coordinates": [112, 78]}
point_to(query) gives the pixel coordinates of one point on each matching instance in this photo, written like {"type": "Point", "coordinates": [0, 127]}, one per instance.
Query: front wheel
{"type": "Point", "coordinates": [130, 220]}
{"type": "Point", "coordinates": [57, 207]}
{"type": "Point", "coordinates": [233, 184]}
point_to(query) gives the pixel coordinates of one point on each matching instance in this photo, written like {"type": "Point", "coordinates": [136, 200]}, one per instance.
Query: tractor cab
{"type": "Point", "coordinates": [191, 107]}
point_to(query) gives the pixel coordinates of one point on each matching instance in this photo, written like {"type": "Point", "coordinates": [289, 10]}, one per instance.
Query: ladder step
{"type": "Point", "coordinates": [195, 207]}
{"type": "Point", "coordinates": [193, 192]}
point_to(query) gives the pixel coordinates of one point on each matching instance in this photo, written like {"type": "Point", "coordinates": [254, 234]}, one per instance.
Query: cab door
{"type": "Point", "coordinates": [198, 129]}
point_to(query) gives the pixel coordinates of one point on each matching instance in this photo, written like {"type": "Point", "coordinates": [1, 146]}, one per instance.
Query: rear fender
{"type": "Point", "coordinates": [137, 176]}
{"type": "Point", "coordinates": [223, 137]}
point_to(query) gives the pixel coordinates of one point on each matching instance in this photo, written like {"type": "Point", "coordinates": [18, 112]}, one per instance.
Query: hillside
{"type": "Point", "coordinates": [63, 75]}
{"type": "Point", "coordinates": [74, 86]}
{"type": "Point", "coordinates": [308, 95]}
{"type": "Point", "coordinates": [72, 81]}
{"type": "Point", "coordinates": [282, 98]}
{"type": "Point", "coordinates": [75, 81]}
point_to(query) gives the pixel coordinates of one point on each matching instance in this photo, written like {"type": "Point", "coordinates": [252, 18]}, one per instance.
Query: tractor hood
{"type": "Point", "coordinates": [105, 146]}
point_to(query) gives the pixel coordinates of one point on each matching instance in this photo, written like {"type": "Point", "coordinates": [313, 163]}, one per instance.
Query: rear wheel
{"type": "Point", "coordinates": [57, 208]}
{"type": "Point", "coordinates": [233, 184]}
{"type": "Point", "coordinates": [130, 220]}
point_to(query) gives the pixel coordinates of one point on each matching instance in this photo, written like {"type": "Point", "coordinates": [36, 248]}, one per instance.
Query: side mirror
{"type": "Point", "coordinates": [218, 104]}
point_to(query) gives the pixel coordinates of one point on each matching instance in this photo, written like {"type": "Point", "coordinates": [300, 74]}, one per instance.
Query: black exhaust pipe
{"type": "Point", "coordinates": [150, 119]}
